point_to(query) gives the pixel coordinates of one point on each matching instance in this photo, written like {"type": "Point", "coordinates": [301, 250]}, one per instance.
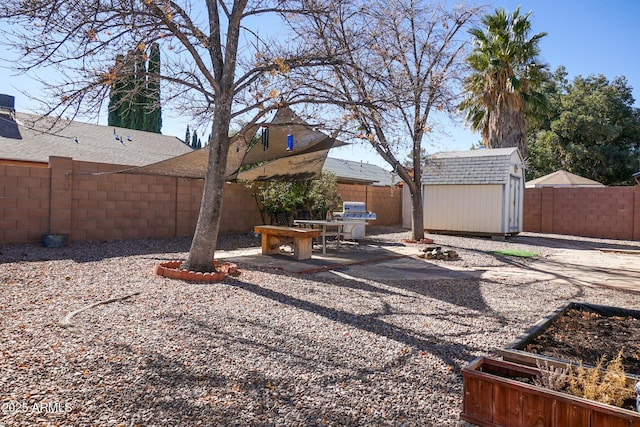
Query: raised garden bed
{"type": "Point", "coordinates": [500, 393]}
{"type": "Point", "coordinates": [581, 333]}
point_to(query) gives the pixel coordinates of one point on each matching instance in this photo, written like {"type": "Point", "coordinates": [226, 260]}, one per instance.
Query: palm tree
{"type": "Point", "coordinates": [501, 92]}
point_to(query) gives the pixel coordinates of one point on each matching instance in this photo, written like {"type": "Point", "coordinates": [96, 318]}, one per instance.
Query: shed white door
{"type": "Point", "coordinates": [515, 205]}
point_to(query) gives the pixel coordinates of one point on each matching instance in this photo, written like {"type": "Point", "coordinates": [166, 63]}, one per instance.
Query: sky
{"type": "Point", "coordinates": [586, 37]}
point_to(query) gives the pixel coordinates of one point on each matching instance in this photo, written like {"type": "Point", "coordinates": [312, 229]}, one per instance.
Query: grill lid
{"type": "Point", "coordinates": [358, 215]}
{"type": "Point", "coordinates": [355, 210]}
{"type": "Point", "coordinates": [353, 207]}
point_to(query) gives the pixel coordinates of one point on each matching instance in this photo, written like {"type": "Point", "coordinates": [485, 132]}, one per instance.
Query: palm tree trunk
{"type": "Point", "coordinates": [508, 128]}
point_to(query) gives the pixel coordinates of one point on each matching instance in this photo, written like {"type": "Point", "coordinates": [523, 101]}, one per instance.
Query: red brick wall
{"type": "Point", "coordinates": [607, 212]}
{"type": "Point", "coordinates": [239, 210]}
{"type": "Point", "coordinates": [189, 198]}
{"type": "Point", "coordinates": [121, 206]}
{"type": "Point", "coordinates": [87, 202]}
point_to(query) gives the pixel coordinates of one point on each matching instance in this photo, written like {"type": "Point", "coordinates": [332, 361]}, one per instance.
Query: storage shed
{"type": "Point", "coordinates": [478, 192]}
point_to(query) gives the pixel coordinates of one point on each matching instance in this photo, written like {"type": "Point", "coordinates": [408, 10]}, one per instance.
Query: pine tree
{"type": "Point", "coordinates": [194, 140]}
{"type": "Point", "coordinates": [139, 103]}
{"type": "Point", "coordinates": [115, 95]}
{"type": "Point", "coordinates": [153, 113]}
{"type": "Point", "coordinates": [134, 99]}
{"type": "Point", "coordinates": [187, 137]}
{"type": "Point", "coordinates": [128, 88]}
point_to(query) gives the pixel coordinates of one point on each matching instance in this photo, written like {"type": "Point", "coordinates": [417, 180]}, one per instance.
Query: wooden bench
{"type": "Point", "coordinates": [274, 236]}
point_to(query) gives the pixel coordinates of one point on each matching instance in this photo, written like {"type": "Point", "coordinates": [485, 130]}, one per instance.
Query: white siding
{"type": "Point", "coordinates": [472, 208]}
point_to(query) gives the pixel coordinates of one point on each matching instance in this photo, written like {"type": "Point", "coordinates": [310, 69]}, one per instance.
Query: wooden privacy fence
{"type": "Point", "coordinates": [86, 202]}
{"type": "Point", "coordinates": [605, 212]}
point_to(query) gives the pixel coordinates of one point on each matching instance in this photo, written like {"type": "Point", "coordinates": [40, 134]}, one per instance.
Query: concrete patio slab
{"type": "Point", "coordinates": [375, 261]}
{"type": "Point", "coordinates": [366, 261]}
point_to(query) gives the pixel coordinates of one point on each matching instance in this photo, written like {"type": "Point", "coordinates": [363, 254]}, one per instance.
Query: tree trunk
{"type": "Point", "coordinates": [417, 220]}
{"type": "Point", "coordinates": [415, 188]}
{"type": "Point", "coordinates": [204, 243]}
{"type": "Point", "coordinates": [414, 183]}
{"type": "Point", "coordinates": [508, 128]}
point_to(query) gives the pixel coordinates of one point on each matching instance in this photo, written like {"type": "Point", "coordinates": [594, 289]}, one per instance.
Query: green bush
{"type": "Point", "coordinates": [292, 197]}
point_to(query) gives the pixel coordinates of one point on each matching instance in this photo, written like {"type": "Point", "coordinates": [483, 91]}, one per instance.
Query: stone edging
{"type": "Point", "coordinates": [172, 270]}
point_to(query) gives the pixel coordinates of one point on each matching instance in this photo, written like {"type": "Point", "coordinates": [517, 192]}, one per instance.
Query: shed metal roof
{"type": "Point", "coordinates": [483, 166]}
{"type": "Point", "coordinates": [34, 138]}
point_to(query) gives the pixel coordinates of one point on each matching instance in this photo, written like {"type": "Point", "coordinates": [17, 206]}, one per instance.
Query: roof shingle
{"type": "Point", "coordinates": [484, 166]}
{"type": "Point", "coordinates": [35, 138]}
{"type": "Point", "coordinates": [359, 172]}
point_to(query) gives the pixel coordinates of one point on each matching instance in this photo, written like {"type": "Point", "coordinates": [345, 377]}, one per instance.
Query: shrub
{"type": "Point", "coordinates": [606, 386]}
{"type": "Point", "coordinates": [551, 377]}
{"type": "Point", "coordinates": [314, 196]}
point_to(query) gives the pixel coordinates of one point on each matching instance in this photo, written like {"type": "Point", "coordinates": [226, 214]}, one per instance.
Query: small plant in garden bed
{"type": "Point", "coordinates": [608, 385]}
{"type": "Point", "coordinates": [498, 392]}
{"type": "Point", "coordinates": [551, 377]}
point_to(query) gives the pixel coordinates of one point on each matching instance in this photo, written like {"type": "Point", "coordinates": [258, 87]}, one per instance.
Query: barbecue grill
{"type": "Point", "coordinates": [355, 216]}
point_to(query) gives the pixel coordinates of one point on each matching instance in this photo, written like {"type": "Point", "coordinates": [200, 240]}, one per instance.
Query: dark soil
{"type": "Point", "coordinates": [583, 336]}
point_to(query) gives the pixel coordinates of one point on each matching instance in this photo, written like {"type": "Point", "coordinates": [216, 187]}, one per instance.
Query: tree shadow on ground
{"type": "Point", "coordinates": [370, 322]}
{"type": "Point", "coordinates": [579, 274]}
{"type": "Point", "coordinates": [570, 242]}
{"type": "Point", "coordinates": [92, 251]}
{"type": "Point", "coordinates": [381, 266]}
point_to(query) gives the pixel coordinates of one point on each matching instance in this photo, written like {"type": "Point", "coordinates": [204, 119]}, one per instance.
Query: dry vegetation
{"type": "Point", "coordinates": [602, 385]}
{"type": "Point", "coordinates": [599, 384]}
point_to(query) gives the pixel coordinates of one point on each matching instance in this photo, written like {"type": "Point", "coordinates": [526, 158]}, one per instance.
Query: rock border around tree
{"type": "Point", "coordinates": [172, 270]}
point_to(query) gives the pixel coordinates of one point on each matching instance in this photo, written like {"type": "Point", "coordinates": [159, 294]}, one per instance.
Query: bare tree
{"type": "Point", "coordinates": [402, 59]}
{"type": "Point", "coordinates": [217, 69]}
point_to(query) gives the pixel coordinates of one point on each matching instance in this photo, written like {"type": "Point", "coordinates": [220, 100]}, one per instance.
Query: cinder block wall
{"type": "Point", "coordinates": [87, 202]}
{"type": "Point", "coordinates": [120, 206]}
{"type": "Point", "coordinates": [24, 203]}
{"type": "Point", "coordinates": [608, 212]}
{"type": "Point", "coordinates": [386, 202]}
{"type": "Point", "coordinates": [82, 200]}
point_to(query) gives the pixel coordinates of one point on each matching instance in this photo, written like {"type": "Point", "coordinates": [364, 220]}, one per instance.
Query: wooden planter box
{"type": "Point", "coordinates": [515, 352]}
{"type": "Point", "coordinates": [493, 397]}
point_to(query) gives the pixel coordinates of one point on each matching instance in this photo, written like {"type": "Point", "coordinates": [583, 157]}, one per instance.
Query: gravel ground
{"type": "Point", "coordinates": [264, 348]}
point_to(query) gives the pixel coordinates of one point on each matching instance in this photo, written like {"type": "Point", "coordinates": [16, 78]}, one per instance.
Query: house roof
{"type": "Point", "coordinates": [35, 138]}
{"type": "Point", "coordinates": [484, 166]}
{"type": "Point", "coordinates": [562, 178]}
{"type": "Point", "coordinates": [348, 171]}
